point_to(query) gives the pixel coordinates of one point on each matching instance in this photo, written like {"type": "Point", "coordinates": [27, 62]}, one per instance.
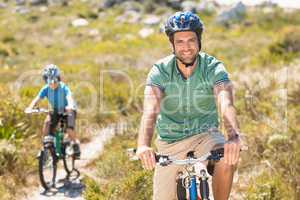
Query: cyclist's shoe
{"type": "Point", "coordinates": [77, 152]}
{"type": "Point", "coordinates": [48, 141]}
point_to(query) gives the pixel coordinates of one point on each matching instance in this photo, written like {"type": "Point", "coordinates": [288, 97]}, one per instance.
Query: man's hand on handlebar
{"type": "Point", "coordinates": [147, 157]}
{"type": "Point", "coordinates": [232, 150]}
{"type": "Point", "coordinates": [28, 110]}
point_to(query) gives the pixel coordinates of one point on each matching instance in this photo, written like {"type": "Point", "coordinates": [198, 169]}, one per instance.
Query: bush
{"type": "Point", "coordinates": [266, 187]}
{"type": "Point", "coordinates": [94, 191]}
{"type": "Point", "coordinates": [276, 19]}
{"type": "Point", "coordinates": [289, 45]}
{"type": "Point", "coordinates": [8, 157]}
{"type": "Point", "coordinates": [16, 155]}
{"type": "Point", "coordinates": [136, 185]}
{"type": "Point", "coordinates": [4, 193]}
{"type": "Point", "coordinates": [14, 124]}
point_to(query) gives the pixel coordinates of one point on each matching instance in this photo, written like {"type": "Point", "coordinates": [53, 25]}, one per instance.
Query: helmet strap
{"type": "Point", "coordinates": [187, 65]}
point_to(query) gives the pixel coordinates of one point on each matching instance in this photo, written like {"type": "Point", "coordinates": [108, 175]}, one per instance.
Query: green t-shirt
{"type": "Point", "coordinates": [188, 105]}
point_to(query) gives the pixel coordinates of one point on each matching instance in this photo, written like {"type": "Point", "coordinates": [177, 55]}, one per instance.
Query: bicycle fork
{"type": "Point", "coordinates": [199, 188]}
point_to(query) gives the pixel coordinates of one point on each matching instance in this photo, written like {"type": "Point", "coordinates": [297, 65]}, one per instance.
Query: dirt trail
{"type": "Point", "coordinates": [72, 190]}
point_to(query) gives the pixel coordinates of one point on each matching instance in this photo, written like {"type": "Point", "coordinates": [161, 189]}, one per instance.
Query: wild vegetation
{"type": "Point", "coordinates": [106, 63]}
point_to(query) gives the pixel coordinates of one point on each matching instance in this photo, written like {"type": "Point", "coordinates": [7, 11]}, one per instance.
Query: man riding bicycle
{"type": "Point", "coordinates": [60, 98]}
{"type": "Point", "coordinates": [185, 94]}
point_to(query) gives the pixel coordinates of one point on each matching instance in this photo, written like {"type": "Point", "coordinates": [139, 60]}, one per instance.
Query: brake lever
{"type": "Point", "coordinates": [162, 160]}
{"type": "Point", "coordinates": [216, 155]}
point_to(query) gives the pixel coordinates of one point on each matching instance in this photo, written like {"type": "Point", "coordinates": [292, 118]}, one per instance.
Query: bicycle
{"type": "Point", "coordinates": [55, 147]}
{"type": "Point", "coordinates": [192, 184]}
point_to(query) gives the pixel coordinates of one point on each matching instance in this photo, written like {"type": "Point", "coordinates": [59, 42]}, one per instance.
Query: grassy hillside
{"type": "Point", "coordinates": [106, 63]}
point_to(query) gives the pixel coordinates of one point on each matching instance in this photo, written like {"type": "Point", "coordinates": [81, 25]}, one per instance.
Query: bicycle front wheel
{"type": "Point", "coordinates": [47, 167]}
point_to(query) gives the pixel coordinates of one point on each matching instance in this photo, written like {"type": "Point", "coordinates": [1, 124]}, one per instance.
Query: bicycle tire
{"type": "Point", "coordinates": [69, 163]}
{"type": "Point", "coordinates": [181, 191]}
{"type": "Point", "coordinates": [47, 159]}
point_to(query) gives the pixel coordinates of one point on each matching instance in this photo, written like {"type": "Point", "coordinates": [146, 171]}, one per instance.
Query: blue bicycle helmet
{"type": "Point", "coordinates": [51, 73]}
{"type": "Point", "coordinates": [184, 21]}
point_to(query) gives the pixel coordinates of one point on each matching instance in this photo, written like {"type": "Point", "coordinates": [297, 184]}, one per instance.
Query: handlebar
{"type": "Point", "coordinates": [42, 110]}
{"type": "Point", "coordinates": [165, 160]}
{"type": "Point", "coordinates": [36, 111]}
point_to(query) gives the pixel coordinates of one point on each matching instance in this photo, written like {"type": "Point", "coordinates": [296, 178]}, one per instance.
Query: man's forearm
{"type": "Point", "coordinates": [71, 102]}
{"type": "Point", "coordinates": [146, 129]}
{"type": "Point", "coordinates": [230, 121]}
{"type": "Point", "coordinates": [34, 102]}
{"type": "Point", "coordinates": [151, 110]}
{"type": "Point", "coordinates": [224, 100]}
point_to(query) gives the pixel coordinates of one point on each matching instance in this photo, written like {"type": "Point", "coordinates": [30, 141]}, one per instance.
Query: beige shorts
{"type": "Point", "coordinates": [164, 180]}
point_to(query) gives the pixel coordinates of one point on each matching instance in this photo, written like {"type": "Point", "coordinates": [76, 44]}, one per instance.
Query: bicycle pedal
{"type": "Point", "coordinates": [69, 151]}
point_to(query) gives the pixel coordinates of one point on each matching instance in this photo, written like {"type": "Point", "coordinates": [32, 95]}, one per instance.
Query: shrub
{"type": "Point", "coordinates": [8, 157]}
{"type": "Point", "coordinates": [289, 45]}
{"type": "Point", "coordinates": [268, 187]}
{"type": "Point", "coordinates": [13, 122]}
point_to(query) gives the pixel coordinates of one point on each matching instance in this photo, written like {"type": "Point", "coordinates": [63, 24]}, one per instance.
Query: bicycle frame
{"type": "Point", "coordinates": [59, 135]}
